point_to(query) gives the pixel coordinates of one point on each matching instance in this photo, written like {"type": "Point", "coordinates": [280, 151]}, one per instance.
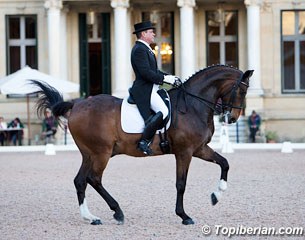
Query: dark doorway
{"type": "Point", "coordinates": [95, 73]}
{"type": "Point", "coordinates": [95, 58]}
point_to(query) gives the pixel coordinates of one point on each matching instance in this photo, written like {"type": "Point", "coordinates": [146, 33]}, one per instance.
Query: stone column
{"type": "Point", "coordinates": [53, 8]}
{"type": "Point", "coordinates": [253, 32]}
{"type": "Point", "coordinates": [64, 44]}
{"type": "Point", "coordinates": [121, 57]}
{"type": "Point", "coordinates": [187, 48]}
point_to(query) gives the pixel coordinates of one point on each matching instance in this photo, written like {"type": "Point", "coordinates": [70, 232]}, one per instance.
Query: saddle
{"type": "Point", "coordinates": [132, 121]}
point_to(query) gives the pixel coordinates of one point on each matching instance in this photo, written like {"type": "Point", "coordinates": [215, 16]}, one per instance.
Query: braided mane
{"type": "Point", "coordinates": [212, 67]}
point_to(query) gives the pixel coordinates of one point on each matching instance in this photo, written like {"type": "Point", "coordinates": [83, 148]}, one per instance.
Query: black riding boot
{"type": "Point", "coordinates": [151, 126]}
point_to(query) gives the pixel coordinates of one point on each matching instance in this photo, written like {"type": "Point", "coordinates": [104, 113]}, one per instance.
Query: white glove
{"type": "Point", "coordinates": [173, 80]}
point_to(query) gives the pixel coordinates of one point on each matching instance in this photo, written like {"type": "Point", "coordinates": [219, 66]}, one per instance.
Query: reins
{"type": "Point", "coordinates": [210, 104]}
{"type": "Point", "coordinates": [203, 100]}
{"type": "Point", "coordinates": [182, 89]}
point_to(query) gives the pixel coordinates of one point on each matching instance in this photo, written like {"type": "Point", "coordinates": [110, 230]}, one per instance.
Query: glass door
{"type": "Point", "coordinates": [164, 40]}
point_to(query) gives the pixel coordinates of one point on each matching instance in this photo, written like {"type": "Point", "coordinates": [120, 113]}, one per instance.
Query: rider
{"type": "Point", "coordinates": [145, 86]}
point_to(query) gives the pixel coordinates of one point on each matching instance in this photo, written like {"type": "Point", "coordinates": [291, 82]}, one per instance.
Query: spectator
{"type": "Point", "coordinates": [17, 134]}
{"type": "Point", "coordinates": [49, 127]}
{"type": "Point", "coordinates": [3, 134]}
{"type": "Point", "coordinates": [254, 122]}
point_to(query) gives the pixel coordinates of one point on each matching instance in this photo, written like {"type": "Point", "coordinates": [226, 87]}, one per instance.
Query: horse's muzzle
{"type": "Point", "coordinates": [227, 118]}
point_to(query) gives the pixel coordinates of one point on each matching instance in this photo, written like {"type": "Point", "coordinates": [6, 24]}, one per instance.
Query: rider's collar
{"type": "Point", "coordinates": [140, 40]}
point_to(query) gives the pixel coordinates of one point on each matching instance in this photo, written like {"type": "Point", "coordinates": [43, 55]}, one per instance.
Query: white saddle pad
{"type": "Point", "coordinates": [131, 119]}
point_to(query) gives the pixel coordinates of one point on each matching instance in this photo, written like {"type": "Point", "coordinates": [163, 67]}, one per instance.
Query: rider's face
{"type": "Point", "coordinates": [148, 36]}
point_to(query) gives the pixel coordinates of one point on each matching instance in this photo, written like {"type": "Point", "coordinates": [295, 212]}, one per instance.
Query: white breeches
{"type": "Point", "coordinates": [156, 102]}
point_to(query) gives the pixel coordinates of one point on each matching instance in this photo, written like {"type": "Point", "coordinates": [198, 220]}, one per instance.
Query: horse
{"type": "Point", "coordinates": [95, 125]}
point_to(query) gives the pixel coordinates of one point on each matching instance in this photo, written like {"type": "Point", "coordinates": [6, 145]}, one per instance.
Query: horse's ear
{"type": "Point", "coordinates": [248, 74]}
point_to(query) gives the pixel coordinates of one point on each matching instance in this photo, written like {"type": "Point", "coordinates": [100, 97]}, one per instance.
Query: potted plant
{"type": "Point", "coordinates": [271, 136]}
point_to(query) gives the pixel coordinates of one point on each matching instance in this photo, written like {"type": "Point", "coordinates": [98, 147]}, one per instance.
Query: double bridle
{"type": "Point", "coordinates": [233, 92]}
{"type": "Point", "coordinates": [227, 107]}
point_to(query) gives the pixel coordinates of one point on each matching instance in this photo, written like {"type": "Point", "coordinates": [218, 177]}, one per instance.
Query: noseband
{"type": "Point", "coordinates": [229, 106]}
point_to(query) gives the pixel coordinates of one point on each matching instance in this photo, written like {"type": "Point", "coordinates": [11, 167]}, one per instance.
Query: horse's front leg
{"type": "Point", "coordinates": [206, 153]}
{"type": "Point", "coordinates": [182, 166]}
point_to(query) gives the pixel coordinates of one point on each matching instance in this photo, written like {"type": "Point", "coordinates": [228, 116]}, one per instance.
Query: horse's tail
{"type": "Point", "coordinates": [51, 99]}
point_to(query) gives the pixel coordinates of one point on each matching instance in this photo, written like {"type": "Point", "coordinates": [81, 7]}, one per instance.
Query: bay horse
{"type": "Point", "coordinates": [95, 125]}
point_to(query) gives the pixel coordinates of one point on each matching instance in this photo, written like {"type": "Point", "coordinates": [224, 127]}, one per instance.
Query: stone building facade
{"type": "Point", "coordinates": [89, 42]}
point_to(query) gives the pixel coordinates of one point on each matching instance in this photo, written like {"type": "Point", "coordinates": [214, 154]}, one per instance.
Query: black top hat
{"type": "Point", "coordinates": [142, 26]}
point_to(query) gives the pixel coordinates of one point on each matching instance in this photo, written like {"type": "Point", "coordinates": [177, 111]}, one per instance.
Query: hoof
{"type": "Point", "coordinates": [214, 199]}
{"type": "Point", "coordinates": [188, 221]}
{"type": "Point", "coordinates": [120, 222]}
{"type": "Point", "coordinates": [96, 222]}
{"type": "Point", "coordinates": [119, 216]}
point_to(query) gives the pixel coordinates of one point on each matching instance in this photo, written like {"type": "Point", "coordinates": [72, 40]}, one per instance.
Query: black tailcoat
{"type": "Point", "coordinates": [144, 64]}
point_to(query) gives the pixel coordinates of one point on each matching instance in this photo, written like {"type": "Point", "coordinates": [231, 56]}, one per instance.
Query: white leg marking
{"type": "Point", "coordinates": [85, 213]}
{"type": "Point", "coordinates": [223, 185]}
{"type": "Point", "coordinates": [221, 188]}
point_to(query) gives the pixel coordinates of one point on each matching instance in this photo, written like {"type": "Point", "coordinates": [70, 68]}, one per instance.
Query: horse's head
{"type": "Point", "coordinates": [220, 82]}
{"type": "Point", "coordinates": [233, 100]}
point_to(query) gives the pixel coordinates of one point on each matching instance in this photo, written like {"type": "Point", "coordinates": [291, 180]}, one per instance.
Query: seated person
{"type": "Point", "coordinates": [49, 126]}
{"type": "Point", "coordinates": [3, 134]}
{"type": "Point", "coordinates": [17, 134]}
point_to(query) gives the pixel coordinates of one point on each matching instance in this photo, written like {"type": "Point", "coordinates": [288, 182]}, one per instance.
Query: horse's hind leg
{"type": "Point", "coordinates": [80, 182]}
{"type": "Point", "coordinates": [206, 153]}
{"type": "Point", "coordinates": [95, 180]}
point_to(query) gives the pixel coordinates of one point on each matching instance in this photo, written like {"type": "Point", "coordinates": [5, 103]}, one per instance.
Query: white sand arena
{"type": "Point", "coordinates": [38, 199]}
